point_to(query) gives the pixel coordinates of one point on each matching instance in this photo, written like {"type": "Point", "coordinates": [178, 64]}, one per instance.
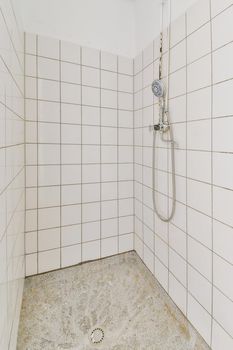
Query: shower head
{"type": "Point", "coordinates": [158, 88]}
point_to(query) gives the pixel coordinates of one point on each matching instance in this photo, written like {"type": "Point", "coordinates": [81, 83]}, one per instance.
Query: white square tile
{"type": "Point", "coordinates": [71, 154]}
{"type": "Point", "coordinates": [48, 154]}
{"type": "Point", "coordinates": [70, 113]}
{"type": "Point", "coordinates": [71, 255]}
{"type": "Point", "coordinates": [91, 250]}
{"type": "Point", "coordinates": [109, 191]}
{"type": "Point", "coordinates": [90, 96]}
{"type": "Point", "coordinates": [222, 240]}
{"type": "Point", "coordinates": [199, 104]}
{"type": "Point", "coordinates": [90, 231]}
{"type": "Point", "coordinates": [200, 227]}
{"type": "Point", "coordinates": [125, 101]}
{"type": "Point", "coordinates": [108, 80]}
{"type": "Point", "coordinates": [90, 57]}
{"type": "Point", "coordinates": [108, 172]}
{"type": "Point", "coordinates": [70, 93]}
{"type": "Point", "coordinates": [126, 243]}
{"type": "Point", "coordinates": [48, 47]}
{"type": "Point", "coordinates": [31, 220]}
{"type": "Point", "coordinates": [48, 175]}
{"type": "Point", "coordinates": [125, 65]}
{"type": "Point", "coordinates": [199, 165]}
{"type": "Point", "coordinates": [177, 83]}
{"type": "Point", "coordinates": [218, 6]}
{"type": "Point", "coordinates": [108, 99]}
{"type": "Point", "coordinates": [48, 261]}
{"type": "Point", "coordinates": [48, 69]}
{"type": "Point", "coordinates": [222, 164]}
{"type": "Point", "coordinates": [71, 174]}
{"type": "Point", "coordinates": [71, 194]}
{"type": "Point", "coordinates": [48, 90]}
{"type": "Point", "coordinates": [126, 225]}
{"type": "Point", "coordinates": [108, 209]}
{"type": "Point", "coordinates": [31, 242]}
{"type": "Point", "coordinates": [90, 115]}
{"type": "Point", "coordinates": [71, 214]}
{"type": "Point", "coordinates": [178, 30]}
{"type": "Point", "coordinates": [49, 111]}
{"type": "Point", "coordinates": [221, 277]}
{"type": "Point", "coordinates": [30, 88]}
{"type": "Point", "coordinates": [178, 57]}
{"type": "Point", "coordinates": [30, 43]}
{"type": "Point", "coordinates": [90, 193]}
{"type": "Point", "coordinates": [108, 61]}
{"type": "Point", "coordinates": [48, 218]}
{"type": "Point", "coordinates": [195, 17]}
{"type": "Point", "coordinates": [48, 133]}
{"type": "Point", "coordinates": [90, 212]}
{"type": "Point", "coordinates": [48, 239]}
{"type": "Point", "coordinates": [199, 196]}
{"type": "Point", "coordinates": [222, 135]}
{"type": "Point", "coordinates": [90, 154]}
{"type": "Point", "coordinates": [90, 173]}
{"type": "Point", "coordinates": [109, 246]}
{"type": "Point", "coordinates": [70, 235]}
{"type": "Point", "coordinates": [199, 74]}
{"type": "Point", "coordinates": [70, 52]}
{"type": "Point", "coordinates": [30, 110]}
{"type": "Point", "coordinates": [222, 28]}
{"type": "Point", "coordinates": [177, 240]}
{"type": "Point", "coordinates": [220, 338]}
{"type": "Point", "coordinates": [199, 43]}
{"type": "Point", "coordinates": [222, 67]}
{"type": "Point", "coordinates": [203, 130]}
{"type": "Point", "coordinates": [48, 196]}
{"type": "Point", "coordinates": [223, 201]}
{"type": "Point", "coordinates": [70, 73]}
{"type": "Point", "coordinates": [222, 102]}
{"type": "Point", "coordinates": [31, 264]}
{"type": "Point", "coordinates": [30, 66]}
{"type": "Point", "coordinates": [90, 135]}
{"type": "Point", "coordinates": [200, 258]}
{"type": "Point", "coordinates": [71, 134]}
{"type": "Point", "coordinates": [91, 76]}
{"type": "Point", "coordinates": [200, 318]}
{"type": "Point", "coordinates": [108, 136]}
{"type": "Point", "coordinates": [178, 293]}
{"type": "Point", "coordinates": [109, 228]}
{"type": "Point", "coordinates": [200, 288]}
{"type": "Point", "coordinates": [222, 311]}
{"type": "Point", "coordinates": [178, 267]}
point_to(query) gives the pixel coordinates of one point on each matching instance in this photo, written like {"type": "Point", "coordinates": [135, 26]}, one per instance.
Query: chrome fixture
{"type": "Point", "coordinates": [163, 126]}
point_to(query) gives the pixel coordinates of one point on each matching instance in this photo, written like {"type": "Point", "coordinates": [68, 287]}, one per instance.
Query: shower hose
{"type": "Point", "coordinates": [171, 142]}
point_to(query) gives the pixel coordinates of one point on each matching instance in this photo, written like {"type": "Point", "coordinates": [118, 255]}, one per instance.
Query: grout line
{"type": "Point", "coordinates": [186, 169]}
{"type": "Point", "coordinates": [212, 180]}
{"type": "Point", "coordinates": [37, 157]}
{"type": "Point", "coordinates": [60, 151]}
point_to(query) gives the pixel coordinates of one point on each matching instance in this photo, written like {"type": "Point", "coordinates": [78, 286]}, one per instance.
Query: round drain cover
{"type": "Point", "coordinates": [97, 335]}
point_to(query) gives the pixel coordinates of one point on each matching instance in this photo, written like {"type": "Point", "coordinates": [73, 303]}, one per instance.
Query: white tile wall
{"type": "Point", "coordinates": [12, 193]}
{"type": "Point", "coordinates": [198, 273]}
{"type": "Point", "coordinates": [79, 154]}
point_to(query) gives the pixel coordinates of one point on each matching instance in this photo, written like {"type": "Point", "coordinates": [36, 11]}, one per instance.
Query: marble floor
{"type": "Point", "coordinates": [117, 295]}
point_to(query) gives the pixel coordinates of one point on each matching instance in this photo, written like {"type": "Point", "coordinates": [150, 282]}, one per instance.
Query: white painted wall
{"type": "Point", "coordinates": [148, 18]}
{"type": "Point", "coordinates": [123, 27]}
{"type": "Point", "coordinates": [103, 24]}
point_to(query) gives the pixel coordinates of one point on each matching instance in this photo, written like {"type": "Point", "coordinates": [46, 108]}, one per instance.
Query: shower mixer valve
{"type": "Point", "coordinates": [162, 127]}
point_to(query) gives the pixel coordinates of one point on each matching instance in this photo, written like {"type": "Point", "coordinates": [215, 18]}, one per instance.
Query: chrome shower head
{"type": "Point", "coordinates": [158, 88]}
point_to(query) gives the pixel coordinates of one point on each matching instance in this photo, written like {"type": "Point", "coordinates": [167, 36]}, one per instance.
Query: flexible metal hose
{"type": "Point", "coordinates": [171, 141]}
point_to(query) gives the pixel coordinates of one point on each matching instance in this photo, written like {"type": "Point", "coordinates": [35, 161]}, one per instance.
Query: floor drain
{"type": "Point", "coordinates": [97, 335]}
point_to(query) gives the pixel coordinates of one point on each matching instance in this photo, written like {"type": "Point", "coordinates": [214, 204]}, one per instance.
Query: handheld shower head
{"type": "Point", "coordinates": [158, 88]}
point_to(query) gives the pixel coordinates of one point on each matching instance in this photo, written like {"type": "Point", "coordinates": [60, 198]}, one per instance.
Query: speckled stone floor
{"type": "Point", "coordinates": [118, 294]}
